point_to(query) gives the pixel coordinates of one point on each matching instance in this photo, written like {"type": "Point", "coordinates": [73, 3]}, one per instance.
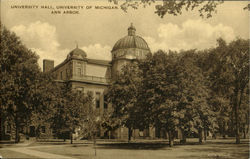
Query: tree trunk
{"type": "Point", "coordinates": [17, 137]}
{"type": "Point", "coordinates": [94, 143]}
{"type": "Point", "coordinates": [129, 134]}
{"type": "Point", "coordinates": [183, 137]}
{"type": "Point", "coordinates": [71, 138]}
{"type": "Point", "coordinates": [205, 134]}
{"type": "Point", "coordinates": [244, 131]}
{"type": "Point", "coordinates": [170, 137]}
{"type": "Point", "coordinates": [200, 135]}
{"type": "Point", "coordinates": [224, 131]}
{"type": "Point", "coordinates": [236, 110]}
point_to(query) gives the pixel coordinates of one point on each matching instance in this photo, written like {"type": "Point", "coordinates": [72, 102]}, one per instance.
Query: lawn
{"type": "Point", "coordinates": [12, 154]}
{"type": "Point", "coordinates": [219, 149]}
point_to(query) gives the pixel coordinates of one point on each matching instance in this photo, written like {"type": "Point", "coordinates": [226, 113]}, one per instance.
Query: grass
{"type": "Point", "coordinates": [219, 149]}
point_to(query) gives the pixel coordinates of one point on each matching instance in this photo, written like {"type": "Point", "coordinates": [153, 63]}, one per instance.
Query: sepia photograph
{"type": "Point", "coordinates": [124, 79]}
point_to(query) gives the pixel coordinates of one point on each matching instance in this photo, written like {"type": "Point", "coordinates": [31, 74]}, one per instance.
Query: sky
{"type": "Point", "coordinates": [53, 36]}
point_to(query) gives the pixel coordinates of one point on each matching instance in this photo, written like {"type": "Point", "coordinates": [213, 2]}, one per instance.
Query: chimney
{"type": "Point", "coordinates": [48, 65]}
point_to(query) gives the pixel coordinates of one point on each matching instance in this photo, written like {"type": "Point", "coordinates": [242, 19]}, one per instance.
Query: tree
{"type": "Point", "coordinates": [43, 99]}
{"type": "Point", "coordinates": [69, 110]}
{"type": "Point", "coordinates": [123, 94]}
{"type": "Point", "coordinates": [173, 7]}
{"type": "Point", "coordinates": [19, 69]}
{"type": "Point", "coordinates": [158, 107]}
{"type": "Point", "coordinates": [193, 101]}
{"type": "Point", "coordinates": [176, 93]}
{"type": "Point", "coordinates": [232, 74]}
{"type": "Point", "coordinates": [244, 114]}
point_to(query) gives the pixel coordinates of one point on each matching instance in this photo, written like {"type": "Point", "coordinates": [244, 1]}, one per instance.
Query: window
{"type": "Point", "coordinates": [21, 129]}
{"type": "Point", "coordinates": [61, 75]}
{"type": "Point", "coordinates": [105, 102]}
{"type": "Point", "coordinates": [79, 71]}
{"type": "Point", "coordinates": [8, 129]}
{"type": "Point", "coordinates": [97, 99]}
{"type": "Point", "coordinates": [137, 54]}
{"type": "Point", "coordinates": [141, 133]}
{"type": "Point", "coordinates": [67, 73]}
{"type": "Point", "coordinates": [140, 53]}
{"type": "Point", "coordinates": [43, 129]}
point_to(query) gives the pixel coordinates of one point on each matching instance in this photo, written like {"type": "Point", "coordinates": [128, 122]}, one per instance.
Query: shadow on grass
{"type": "Point", "coordinates": [143, 146]}
{"type": "Point", "coordinates": [58, 143]}
{"type": "Point", "coordinates": [209, 146]}
{"type": "Point", "coordinates": [80, 145]}
{"type": "Point", "coordinates": [134, 146]}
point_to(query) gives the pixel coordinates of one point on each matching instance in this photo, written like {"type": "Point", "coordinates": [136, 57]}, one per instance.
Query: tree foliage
{"type": "Point", "coordinates": [193, 91]}
{"type": "Point", "coordinates": [70, 110]}
{"type": "Point", "coordinates": [230, 76]}
{"type": "Point", "coordinates": [174, 7]}
{"type": "Point", "coordinates": [124, 93]}
{"type": "Point", "coordinates": [19, 74]}
{"type": "Point", "coordinates": [177, 92]}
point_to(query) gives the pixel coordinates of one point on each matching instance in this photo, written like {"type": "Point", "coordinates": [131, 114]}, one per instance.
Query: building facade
{"type": "Point", "coordinates": [90, 75]}
{"type": "Point", "coordinates": [94, 76]}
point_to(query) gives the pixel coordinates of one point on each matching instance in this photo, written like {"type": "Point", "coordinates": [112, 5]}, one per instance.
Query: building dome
{"type": "Point", "coordinates": [77, 54]}
{"type": "Point", "coordinates": [131, 41]}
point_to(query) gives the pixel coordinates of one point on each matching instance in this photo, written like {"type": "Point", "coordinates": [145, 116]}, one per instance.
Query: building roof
{"type": "Point", "coordinates": [131, 41]}
{"type": "Point", "coordinates": [99, 62]}
{"type": "Point", "coordinates": [77, 53]}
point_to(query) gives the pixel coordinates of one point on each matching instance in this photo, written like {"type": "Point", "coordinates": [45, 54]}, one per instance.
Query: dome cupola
{"type": "Point", "coordinates": [131, 41]}
{"type": "Point", "coordinates": [128, 49]}
{"type": "Point", "coordinates": [77, 54]}
{"type": "Point", "coordinates": [131, 30]}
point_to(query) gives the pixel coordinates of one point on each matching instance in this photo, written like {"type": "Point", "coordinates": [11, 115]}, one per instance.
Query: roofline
{"type": "Point", "coordinates": [92, 61]}
{"type": "Point", "coordinates": [99, 62]}
{"type": "Point", "coordinates": [89, 82]}
{"type": "Point", "coordinates": [131, 48]}
{"type": "Point", "coordinates": [61, 64]}
{"type": "Point", "coordinates": [126, 59]}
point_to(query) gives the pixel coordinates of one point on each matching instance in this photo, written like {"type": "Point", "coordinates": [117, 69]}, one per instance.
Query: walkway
{"type": "Point", "coordinates": [38, 154]}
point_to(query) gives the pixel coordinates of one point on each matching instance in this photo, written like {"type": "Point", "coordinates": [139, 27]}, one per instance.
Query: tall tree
{"type": "Point", "coordinates": [159, 107]}
{"type": "Point", "coordinates": [19, 69]}
{"type": "Point", "coordinates": [233, 68]}
{"type": "Point", "coordinates": [43, 98]}
{"type": "Point", "coordinates": [69, 110]}
{"type": "Point", "coordinates": [176, 93]}
{"type": "Point", "coordinates": [123, 93]}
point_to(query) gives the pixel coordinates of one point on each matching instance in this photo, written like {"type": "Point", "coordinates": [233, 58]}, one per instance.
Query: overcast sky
{"type": "Point", "coordinates": [97, 30]}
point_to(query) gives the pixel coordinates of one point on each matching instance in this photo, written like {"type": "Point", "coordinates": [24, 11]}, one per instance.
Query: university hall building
{"type": "Point", "coordinates": [91, 75]}
{"type": "Point", "coordinates": [94, 76]}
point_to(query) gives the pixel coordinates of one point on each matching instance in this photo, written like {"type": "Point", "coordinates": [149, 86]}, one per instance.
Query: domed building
{"type": "Point", "coordinates": [128, 48]}
{"type": "Point", "coordinates": [90, 75]}
{"type": "Point", "coordinates": [77, 54]}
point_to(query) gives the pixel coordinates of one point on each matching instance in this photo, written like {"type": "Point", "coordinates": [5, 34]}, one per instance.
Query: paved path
{"type": "Point", "coordinates": [38, 154]}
